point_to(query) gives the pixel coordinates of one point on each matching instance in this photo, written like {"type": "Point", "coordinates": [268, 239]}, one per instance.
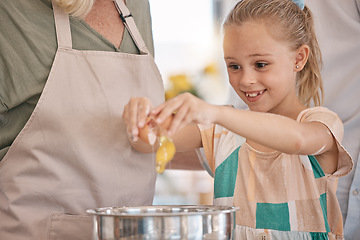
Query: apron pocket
{"type": "Point", "coordinates": [67, 226]}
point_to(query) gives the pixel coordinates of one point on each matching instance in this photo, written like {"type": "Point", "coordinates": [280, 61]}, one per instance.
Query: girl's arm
{"type": "Point", "coordinates": [270, 130]}
{"type": "Point", "coordinates": [283, 134]}
{"type": "Point", "coordinates": [277, 132]}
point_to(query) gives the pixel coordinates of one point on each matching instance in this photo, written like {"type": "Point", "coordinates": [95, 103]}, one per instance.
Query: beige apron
{"type": "Point", "coordinates": [73, 154]}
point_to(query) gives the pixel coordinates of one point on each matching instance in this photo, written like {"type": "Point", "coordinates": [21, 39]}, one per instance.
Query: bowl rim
{"type": "Point", "coordinates": [159, 210]}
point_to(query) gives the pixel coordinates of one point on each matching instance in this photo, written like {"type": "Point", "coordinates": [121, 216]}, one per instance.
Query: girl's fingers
{"type": "Point", "coordinates": [187, 108]}
{"type": "Point", "coordinates": [180, 119]}
{"type": "Point", "coordinates": [163, 111]}
{"type": "Point", "coordinates": [157, 109]}
{"type": "Point", "coordinates": [171, 106]}
{"type": "Point", "coordinates": [179, 105]}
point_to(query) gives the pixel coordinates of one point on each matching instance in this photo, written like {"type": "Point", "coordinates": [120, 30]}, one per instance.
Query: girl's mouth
{"type": "Point", "coordinates": [254, 96]}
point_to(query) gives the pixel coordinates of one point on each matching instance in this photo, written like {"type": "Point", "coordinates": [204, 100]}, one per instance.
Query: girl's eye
{"type": "Point", "coordinates": [234, 67]}
{"type": "Point", "coordinates": [260, 65]}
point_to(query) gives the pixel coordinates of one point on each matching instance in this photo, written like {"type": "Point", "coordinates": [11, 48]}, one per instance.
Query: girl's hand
{"type": "Point", "coordinates": [135, 114]}
{"type": "Point", "coordinates": [188, 109]}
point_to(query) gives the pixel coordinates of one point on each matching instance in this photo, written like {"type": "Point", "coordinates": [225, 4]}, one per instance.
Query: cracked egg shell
{"type": "Point", "coordinates": [150, 131]}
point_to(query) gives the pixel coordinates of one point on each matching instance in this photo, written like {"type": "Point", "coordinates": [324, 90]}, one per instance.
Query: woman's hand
{"type": "Point", "coordinates": [188, 109]}
{"type": "Point", "coordinates": [135, 114]}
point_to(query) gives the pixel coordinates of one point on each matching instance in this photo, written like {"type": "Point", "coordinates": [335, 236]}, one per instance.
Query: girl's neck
{"type": "Point", "coordinates": [293, 112]}
{"type": "Point", "coordinates": [289, 108]}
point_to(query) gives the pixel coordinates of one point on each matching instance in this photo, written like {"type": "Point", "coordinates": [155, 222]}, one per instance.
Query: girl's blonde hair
{"type": "Point", "coordinates": [76, 8]}
{"type": "Point", "coordinates": [294, 26]}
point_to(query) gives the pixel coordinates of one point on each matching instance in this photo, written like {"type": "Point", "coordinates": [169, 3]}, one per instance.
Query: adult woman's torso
{"type": "Point", "coordinates": [28, 46]}
{"type": "Point", "coordinates": [73, 153]}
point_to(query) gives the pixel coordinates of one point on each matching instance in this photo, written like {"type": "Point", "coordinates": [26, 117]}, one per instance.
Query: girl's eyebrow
{"type": "Point", "coordinates": [252, 55]}
{"type": "Point", "coordinates": [260, 55]}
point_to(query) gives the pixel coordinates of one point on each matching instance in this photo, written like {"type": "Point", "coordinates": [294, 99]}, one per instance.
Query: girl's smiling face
{"type": "Point", "coordinates": [261, 69]}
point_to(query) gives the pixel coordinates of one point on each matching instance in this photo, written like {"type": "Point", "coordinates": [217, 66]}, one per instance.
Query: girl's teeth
{"type": "Point", "coordinates": [253, 94]}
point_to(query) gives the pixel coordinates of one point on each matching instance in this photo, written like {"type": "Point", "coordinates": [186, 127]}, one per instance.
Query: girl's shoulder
{"type": "Point", "coordinates": [317, 112]}
{"type": "Point", "coordinates": [332, 121]}
{"type": "Point", "coordinates": [325, 116]}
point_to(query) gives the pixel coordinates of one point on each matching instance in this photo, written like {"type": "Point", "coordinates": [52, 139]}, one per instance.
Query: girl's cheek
{"type": "Point", "coordinates": [232, 82]}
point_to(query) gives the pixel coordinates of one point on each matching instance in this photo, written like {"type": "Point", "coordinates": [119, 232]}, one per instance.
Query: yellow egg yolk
{"type": "Point", "coordinates": [164, 154]}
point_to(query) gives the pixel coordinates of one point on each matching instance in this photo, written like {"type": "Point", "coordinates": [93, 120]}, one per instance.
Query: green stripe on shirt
{"type": "Point", "coordinates": [225, 176]}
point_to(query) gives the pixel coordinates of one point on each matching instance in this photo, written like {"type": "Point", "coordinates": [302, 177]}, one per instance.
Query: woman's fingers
{"type": "Point", "coordinates": [130, 117]}
{"type": "Point", "coordinates": [135, 114]}
{"type": "Point", "coordinates": [144, 107]}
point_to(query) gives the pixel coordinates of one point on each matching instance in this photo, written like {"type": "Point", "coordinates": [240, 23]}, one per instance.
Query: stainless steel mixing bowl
{"type": "Point", "coordinates": [164, 222]}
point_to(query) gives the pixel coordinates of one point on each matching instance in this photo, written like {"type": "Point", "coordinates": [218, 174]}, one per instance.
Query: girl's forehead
{"type": "Point", "coordinates": [250, 38]}
{"type": "Point", "coordinates": [248, 30]}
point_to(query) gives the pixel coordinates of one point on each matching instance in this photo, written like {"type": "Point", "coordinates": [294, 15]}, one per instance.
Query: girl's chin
{"type": "Point", "coordinates": [257, 109]}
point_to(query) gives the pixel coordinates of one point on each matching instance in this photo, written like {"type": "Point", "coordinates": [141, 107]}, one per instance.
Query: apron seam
{"type": "Point", "coordinates": [27, 125]}
{"type": "Point", "coordinates": [110, 53]}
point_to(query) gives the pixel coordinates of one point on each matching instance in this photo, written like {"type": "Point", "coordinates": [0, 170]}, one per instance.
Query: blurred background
{"type": "Point", "coordinates": [188, 52]}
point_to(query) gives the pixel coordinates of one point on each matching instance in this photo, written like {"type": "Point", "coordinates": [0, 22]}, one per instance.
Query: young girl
{"type": "Point", "coordinates": [283, 176]}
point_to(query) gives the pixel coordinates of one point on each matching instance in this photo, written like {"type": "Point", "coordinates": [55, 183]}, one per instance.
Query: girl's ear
{"type": "Point", "coordinates": [301, 57]}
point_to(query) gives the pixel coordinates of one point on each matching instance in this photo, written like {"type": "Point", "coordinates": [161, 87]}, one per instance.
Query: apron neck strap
{"type": "Point", "coordinates": [62, 26]}
{"type": "Point", "coordinates": [130, 25]}
{"type": "Point", "coordinates": [63, 31]}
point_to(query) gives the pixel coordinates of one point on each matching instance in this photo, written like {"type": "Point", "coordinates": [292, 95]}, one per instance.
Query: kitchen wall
{"type": "Point", "coordinates": [188, 48]}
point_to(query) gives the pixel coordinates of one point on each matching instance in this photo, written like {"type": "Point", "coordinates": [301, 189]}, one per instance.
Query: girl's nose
{"type": "Point", "coordinates": [247, 78]}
